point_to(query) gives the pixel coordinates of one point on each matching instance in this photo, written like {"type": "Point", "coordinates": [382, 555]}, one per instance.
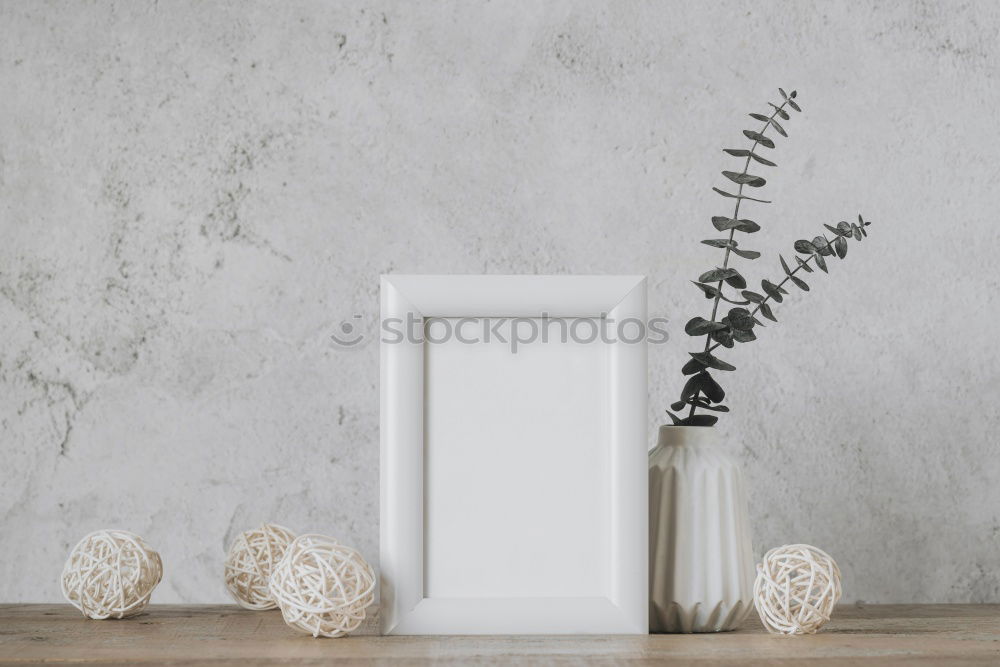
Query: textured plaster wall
{"type": "Point", "coordinates": [194, 195]}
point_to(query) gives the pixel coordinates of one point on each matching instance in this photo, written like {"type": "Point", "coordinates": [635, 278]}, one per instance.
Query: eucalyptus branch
{"type": "Point", "coordinates": [838, 248]}
{"type": "Point", "coordinates": [703, 382]}
{"type": "Point", "coordinates": [736, 213]}
{"type": "Point", "coordinates": [701, 391]}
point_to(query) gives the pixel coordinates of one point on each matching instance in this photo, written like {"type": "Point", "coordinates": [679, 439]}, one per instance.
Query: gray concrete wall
{"type": "Point", "coordinates": [194, 195]}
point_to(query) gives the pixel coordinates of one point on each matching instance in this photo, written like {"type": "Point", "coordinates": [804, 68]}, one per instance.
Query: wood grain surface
{"type": "Point", "coordinates": [875, 634]}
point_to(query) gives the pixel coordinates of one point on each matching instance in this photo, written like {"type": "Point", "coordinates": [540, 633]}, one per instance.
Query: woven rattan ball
{"type": "Point", "coordinates": [252, 555]}
{"type": "Point", "coordinates": [111, 574]}
{"type": "Point", "coordinates": [796, 588]}
{"type": "Point", "coordinates": [322, 587]}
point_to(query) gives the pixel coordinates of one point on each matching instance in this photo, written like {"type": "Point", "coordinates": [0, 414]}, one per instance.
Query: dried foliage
{"type": "Point", "coordinates": [701, 390]}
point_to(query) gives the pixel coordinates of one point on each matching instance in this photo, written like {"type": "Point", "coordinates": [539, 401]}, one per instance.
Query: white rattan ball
{"type": "Point", "coordinates": [796, 589]}
{"type": "Point", "coordinates": [252, 556]}
{"type": "Point", "coordinates": [111, 574]}
{"type": "Point", "coordinates": [322, 587]}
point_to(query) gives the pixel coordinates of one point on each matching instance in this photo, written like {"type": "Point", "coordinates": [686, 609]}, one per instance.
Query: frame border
{"type": "Point", "coordinates": [404, 609]}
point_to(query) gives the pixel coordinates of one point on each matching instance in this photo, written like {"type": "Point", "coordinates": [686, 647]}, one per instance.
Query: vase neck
{"type": "Point", "coordinates": [681, 436]}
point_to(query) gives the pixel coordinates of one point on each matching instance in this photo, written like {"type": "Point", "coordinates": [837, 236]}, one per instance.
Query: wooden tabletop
{"type": "Point", "coordinates": [877, 634]}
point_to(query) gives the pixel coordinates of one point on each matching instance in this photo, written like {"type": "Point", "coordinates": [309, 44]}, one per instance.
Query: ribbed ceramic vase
{"type": "Point", "coordinates": [700, 556]}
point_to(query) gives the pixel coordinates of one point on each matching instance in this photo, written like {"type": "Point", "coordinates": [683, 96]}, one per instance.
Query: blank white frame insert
{"type": "Point", "coordinates": [513, 484]}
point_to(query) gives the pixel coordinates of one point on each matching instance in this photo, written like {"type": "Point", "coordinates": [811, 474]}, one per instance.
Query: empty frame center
{"type": "Point", "coordinates": [516, 461]}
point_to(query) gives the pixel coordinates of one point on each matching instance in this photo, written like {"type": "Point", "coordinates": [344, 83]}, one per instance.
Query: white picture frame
{"type": "Point", "coordinates": [552, 538]}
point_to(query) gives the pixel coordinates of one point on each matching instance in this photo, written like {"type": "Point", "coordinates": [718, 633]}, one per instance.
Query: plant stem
{"type": "Point", "coordinates": [732, 231]}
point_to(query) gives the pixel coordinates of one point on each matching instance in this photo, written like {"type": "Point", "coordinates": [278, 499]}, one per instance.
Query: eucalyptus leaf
{"type": "Point", "coordinates": [705, 404]}
{"type": "Point", "coordinates": [734, 301]}
{"type": "Point", "coordinates": [801, 284]}
{"type": "Point", "coordinates": [715, 275]}
{"type": "Point", "coordinates": [732, 196]}
{"type": "Point", "coordinates": [744, 179]}
{"type": "Point", "coordinates": [792, 104]}
{"type": "Point", "coordinates": [740, 319]}
{"type": "Point", "coordinates": [761, 117]}
{"type": "Point", "coordinates": [759, 138]}
{"type": "Point", "coordinates": [698, 420]}
{"type": "Point", "coordinates": [733, 246]}
{"type": "Point", "coordinates": [803, 264]}
{"type": "Point", "coordinates": [820, 262]}
{"type": "Point", "coordinates": [723, 337]}
{"type": "Point", "coordinates": [711, 388]}
{"type": "Point", "coordinates": [712, 361]}
{"type": "Point", "coordinates": [746, 254]}
{"type": "Point", "coordinates": [699, 326]}
{"type": "Point", "coordinates": [783, 93]}
{"type": "Point", "coordinates": [752, 296]}
{"type": "Point", "coordinates": [691, 388]}
{"type": "Point", "coordinates": [777, 128]}
{"type": "Point", "coordinates": [731, 277]}
{"type": "Point", "coordinates": [763, 161]}
{"type": "Point", "coordinates": [742, 152]}
{"type": "Point", "coordinates": [784, 265]}
{"type": "Point", "coordinates": [723, 224]}
{"type": "Point", "coordinates": [765, 310]}
{"type": "Point", "coordinates": [741, 336]}
{"type": "Point", "coordinates": [678, 405]}
{"type": "Point", "coordinates": [736, 280]}
{"type": "Point", "coordinates": [711, 291]}
{"type": "Point", "coordinates": [856, 231]}
{"type": "Point", "coordinates": [840, 245]}
{"type": "Point", "coordinates": [781, 112]}
{"type": "Point", "coordinates": [822, 245]}
{"type": "Point", "coordinates": [772, 290]}
{"type": "Point", "coordinates": [844, 228]}
{"type": "Point", "coordinates": [692, 366]}
{"type": "Point", "coordinates": [805, 247]}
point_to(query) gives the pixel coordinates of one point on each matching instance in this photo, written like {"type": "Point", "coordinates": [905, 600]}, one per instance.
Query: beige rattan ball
{"type": "Point", "coordinates": [251, 557]}
{"type": "Point", "coordinates": [322, 587]}
{"type": "Point", "coordinates": [111, 574]}
{"type": "Point", "coordinates": [796, 589]}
